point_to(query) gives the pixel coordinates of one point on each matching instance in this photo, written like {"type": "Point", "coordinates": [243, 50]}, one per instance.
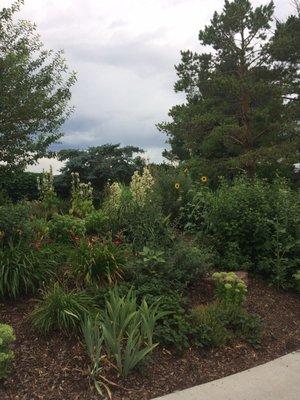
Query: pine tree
{"type": "Point", "coordinates": [235, 117]}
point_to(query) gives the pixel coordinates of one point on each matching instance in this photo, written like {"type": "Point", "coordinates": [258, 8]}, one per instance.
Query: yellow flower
{"type": "Point", "coordinates": [177, 185]}
{"type": "Point", "coordinates": [204, 179]}
{"type": "Point", "coordinates": [186, 170]}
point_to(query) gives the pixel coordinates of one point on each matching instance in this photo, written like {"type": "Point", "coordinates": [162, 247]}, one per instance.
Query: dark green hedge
{"type": "Point", "coordinates": [19, 185]}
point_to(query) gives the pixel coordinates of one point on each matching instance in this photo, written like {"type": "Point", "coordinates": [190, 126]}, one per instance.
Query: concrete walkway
{"type": "Point", "coordinates": [276, 380]}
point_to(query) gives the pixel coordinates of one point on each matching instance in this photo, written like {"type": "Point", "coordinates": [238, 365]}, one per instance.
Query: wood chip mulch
{"type": "Point", "coordinates": [55, 368]}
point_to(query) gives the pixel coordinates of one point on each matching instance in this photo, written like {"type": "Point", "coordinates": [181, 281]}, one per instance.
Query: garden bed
{"type": "Point", "coordinates": [56, 367]}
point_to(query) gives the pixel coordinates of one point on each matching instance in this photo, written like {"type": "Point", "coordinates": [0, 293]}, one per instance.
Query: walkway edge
{"type": "Point", "coordinates": [276, 380]}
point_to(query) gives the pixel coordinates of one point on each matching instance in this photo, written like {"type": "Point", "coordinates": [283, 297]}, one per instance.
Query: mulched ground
{"type": "Point", "coordinates": [56, 368]}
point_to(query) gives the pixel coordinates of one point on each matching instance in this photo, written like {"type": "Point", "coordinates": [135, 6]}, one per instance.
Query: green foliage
{"type": "Point", "coordinates": [174, 328]}
{"type": "Point", "coordinates": [152, 257]}
{"type": "Point", "coordinates": [136, 212]}
{"type": "Point", "coordinates": [296, 277]}
{"type": "Point", "coordinates": [39, 228]}
{"type": "Point", "coordinates": [128, 329]}
{"type": "Point", "coordinates": [61, 310]}
{"type": "Point", "coordinates": [192, 213]}
{"type": "Point", "coordinates": [34, 92]}
{"type": "Point", "coordinates": [98, 262]}
{"type": "Point", "coordinates": [47, 194]}
{"type": "Point", "coordinates": [23, 270]}
{"type": "Point", "coordinates": [99, 165]}
{"type": "Point", "coordinates": [229, 288]}
{"type": "Point", "coordinates": [97, 223]}
{"type": "Point", "coordinates": [175, 267]}
{"type": "Point", "coordinates": [217, 323]}
{"type": "Point", "coordinates": [66, 228]}
{"type": "Point", "coordinates": [93, 339]}
{"type": "Point", "coordinates": [190, 262]}
{"type": "Point", "coordinates": [81, 197]}
{"type": "Point", "coordinates": [173, 186]}
{"type": "Point", "coordinates": [285, 51]}
{"type": "Point", "coordinates": [248, 327]}
{"type": "Point", "coordinates": [209, 328]}
{"type": "Point", "coordinates": [19, 185]}
{"type": "Point", "coordinates": [14, 223]}
{"type": "Point", "coordinates": [7, 337]}
{"type": "Point", "coordinates": [238, 100]}
{"type": "Point", "coordinates": [253, 224]}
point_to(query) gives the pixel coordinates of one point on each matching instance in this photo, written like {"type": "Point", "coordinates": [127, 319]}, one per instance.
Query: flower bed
{"type": "Point", "coordinates": [56, 367]}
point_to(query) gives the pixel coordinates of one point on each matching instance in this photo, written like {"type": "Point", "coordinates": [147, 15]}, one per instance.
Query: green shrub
{"type": "Point", "coordinates": [248, 327]}
{"type": "Point", "coordinates": [61, 253]}
{"type": "Point", "coordinates": [66, 228]}
{"type": "Point", "coordinates": [216, 323]}
{"type": "Point", "coordinates": [23, 270]}
{"type": "Point", "coordinates": [4, 199]}
{"type": "Point", "coordinates": [190, 262]}
{"type": "Point", "coordinates": [142, 222]}
{"type": "Point", "coordinates": [192, 214]}
{"type": "Point", "coordinates": [230, 289]}
{"type": "Point", "coordinates": [48, 197]}
{"type": "Point", "coordinates": [39, 228]}
{"type": "Point", "coordinates": [98, 262]}
{"type": "Point", "coordinates": [209, 327]}
{"type": "Point", "coordinates": [176, 267]}
{"type": "Point", "coordinates": [253, 225]}
{"type": "Point", "coordinates": [14, 223]}
{"type": "Point", "coordinates": [96, 223]}
{"type": "Point", "coordinates": [152, 257]}
{"type": "Point", "coordinates": [128, 329]}
{"type": "Point", "coordinates": [174, 329]}
{"type": "Point", "coordinates": [173, 186]}
{"type": "Point", "coordinates": [61, 310]}
{"type": "Point", "coordinates": [6, 354]}
{"type": "Point", "coordinates": [19, 185]}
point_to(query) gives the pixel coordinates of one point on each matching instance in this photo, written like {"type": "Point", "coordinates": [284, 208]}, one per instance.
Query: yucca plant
{"type": "Point", "coordinates": [93, 339]}
{"type": "Point", "coordinates": [149, 316]}
{"type": "Point", "coordinates": [23, 270]}
{"type": "Point", "coordinates": [61, 310]}
{"type": "Point", "coordinates": [128, 330]}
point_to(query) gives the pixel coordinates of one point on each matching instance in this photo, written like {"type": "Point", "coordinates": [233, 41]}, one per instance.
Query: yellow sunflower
{"type": "Point", "coordinates": [177, 185]}
{"type": "Point", "coordinates": [204, 179]}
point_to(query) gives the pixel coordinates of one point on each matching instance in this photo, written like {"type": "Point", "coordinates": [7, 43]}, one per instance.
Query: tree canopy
{"type": "Point", "coordinates": [34, 92]}
{"type": "Point", "coordinates": [237, 115]}
{"type": "Point", "coordinates": [100, 164]}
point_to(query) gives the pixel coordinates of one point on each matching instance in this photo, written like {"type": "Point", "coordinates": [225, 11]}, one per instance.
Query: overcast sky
{"type": "Point", "coordinates": [124, 53]}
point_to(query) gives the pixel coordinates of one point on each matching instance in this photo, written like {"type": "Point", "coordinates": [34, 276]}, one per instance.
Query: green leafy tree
{"type": "Point", "coordinates": [235, 117]}
{"type": "Point", "coordinates": [34, 92]}
{"type": "Point", "coordinates": [99, 165]}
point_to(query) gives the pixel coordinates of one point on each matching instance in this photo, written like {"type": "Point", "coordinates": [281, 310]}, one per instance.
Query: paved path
{"type": "Point", "coordinates": [276, 380]}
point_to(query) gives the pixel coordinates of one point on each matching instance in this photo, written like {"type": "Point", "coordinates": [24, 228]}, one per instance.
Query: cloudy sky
{"type": "Point", "coordinates": [124, 53]}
